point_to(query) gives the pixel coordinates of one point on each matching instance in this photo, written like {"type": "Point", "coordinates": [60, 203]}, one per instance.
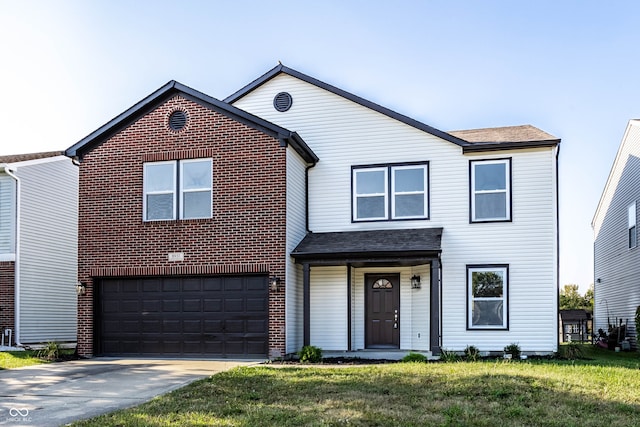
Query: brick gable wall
{"type": "Point", "coordinates": [7, 296]}
{"type": "Point", "coordinates": [246, 234]}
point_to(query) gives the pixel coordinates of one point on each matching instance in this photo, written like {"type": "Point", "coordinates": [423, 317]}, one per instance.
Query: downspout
{"type": "Point", "coordinates": [16, 262]}
{"type": "Point", "coordinates": [306, 196]}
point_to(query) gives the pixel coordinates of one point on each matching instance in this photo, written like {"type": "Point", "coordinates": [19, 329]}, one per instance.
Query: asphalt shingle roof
{"type": "Point", "coordinates": [407, 242]}
{"type": "Point", "coordinates": [14, 158]}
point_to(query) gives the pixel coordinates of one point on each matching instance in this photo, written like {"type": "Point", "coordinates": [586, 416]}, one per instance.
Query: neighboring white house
{"type": "Point", "coordinates": [414, 238]}
{"type": "Point", "coordinates": [616, 252]}
{"type": "Point", "coordinates": [38, 248]}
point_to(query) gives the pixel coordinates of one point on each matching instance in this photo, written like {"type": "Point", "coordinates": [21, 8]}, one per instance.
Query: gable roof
{"type": "Point", "coordinates": [15, 158]}
{"type": "Point", "coordinates": [173, 88]}
{"type": "Point", "coordinates": [465, 139]}
{"type": "Point", "coordinates": [369, 246]}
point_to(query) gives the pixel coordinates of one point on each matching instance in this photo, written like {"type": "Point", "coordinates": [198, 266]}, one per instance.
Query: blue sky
{"type": "Point", "coordinates": [567, 67]}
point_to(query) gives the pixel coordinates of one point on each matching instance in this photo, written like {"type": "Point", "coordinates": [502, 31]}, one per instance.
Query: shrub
{"type": "Point", "coordinates": [448, 356]}
{"type": "Point", "coordinates": [472, 353]}
{"type": "Point", "coordinates": [514, 350]}
{"type": "Point", "coordinates": [51, 351]}
{"type": "Point", "coordinates": [571, 351]}
{"type": "Point", "coordinates": [310, 354]}
{"type": "Point", "coordinates": [414, 357]}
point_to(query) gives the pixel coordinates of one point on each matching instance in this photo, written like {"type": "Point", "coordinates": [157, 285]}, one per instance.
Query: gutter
{"type": "Point", "coordinates": [16, 262]}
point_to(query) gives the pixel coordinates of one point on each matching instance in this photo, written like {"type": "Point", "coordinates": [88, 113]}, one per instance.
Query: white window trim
{"type": "Point", "coordinates": [357, 195]}
{"type": "Point", "coordinates": [507, 190]}
{"type": "Point", "coordinates": [470, 298]}
{"type": "Point", "coordinates": [194, 190]}
{"type": "Point", "coordinates": [145, 192]}
{"type": "Point", "coordinates": [631, 225]}
{"type": "Point", "coordinates": [424, 192]}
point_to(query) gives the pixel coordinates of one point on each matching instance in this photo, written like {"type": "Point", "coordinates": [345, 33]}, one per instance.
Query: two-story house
{"type": "Point", "coordinates": [38, 248]}
{"type": "Point", "coordinates": [616, 252]}
{"type": "Point", "coordinates": [296, 213]}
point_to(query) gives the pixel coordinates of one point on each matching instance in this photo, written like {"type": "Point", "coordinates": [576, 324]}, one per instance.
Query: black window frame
{"type": "Point", "coordinates": [389, 191]}
{"type": "Point", "coordinates": [506, 291]}
{"type": "Point", "coordinates": [509, 190]}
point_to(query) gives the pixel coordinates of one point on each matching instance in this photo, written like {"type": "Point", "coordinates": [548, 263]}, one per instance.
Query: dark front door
{"type": "Point", "coordinates": [382, 310]}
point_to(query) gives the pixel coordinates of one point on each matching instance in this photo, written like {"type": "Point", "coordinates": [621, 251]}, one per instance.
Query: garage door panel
{"type": "Point", "coordinates": [256, 304]}
{"type": "Point", "coordinates": [129, 306]}
{"type": "Point", "coordinates": [212, 305]}
{"type": "Point", "coordinates": [211, 284]}
{"type": "Point", "coordinates": [209, 316]}
{"type": "Point", "coordinates": [233, 284]}
{"type": "Point", "coordinates": [192, 305]}
{"type": "Point", "coordinates": [170, 285]}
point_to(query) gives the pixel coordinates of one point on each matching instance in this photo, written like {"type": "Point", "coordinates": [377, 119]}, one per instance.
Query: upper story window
{"type": "Point", "coordinates": [490, 190]}
{"type": "Point", "coordinates": [631, 216]}
{"type": "Point", "coordinates": [393, 192]}
{"type": "Point", "coordinates": [177, 189]}
{"type": "Point", "coordinates": [487, 297]}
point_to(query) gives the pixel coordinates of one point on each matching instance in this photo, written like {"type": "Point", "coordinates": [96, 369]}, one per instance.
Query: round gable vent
{"type": "Point", "coordinates": [177, 120]}
{"type": "Point", "coordinates": [282, 102]}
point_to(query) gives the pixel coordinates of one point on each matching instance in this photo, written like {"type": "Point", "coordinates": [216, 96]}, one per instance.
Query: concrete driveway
{"type": "Point", "coordinates": [59, 393]}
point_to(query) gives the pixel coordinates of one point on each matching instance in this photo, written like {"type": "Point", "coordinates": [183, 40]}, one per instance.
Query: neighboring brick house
{"type": "Point", "coordinates": [38, 248]}
{"type": "Point", "coordinates": [183, 226]}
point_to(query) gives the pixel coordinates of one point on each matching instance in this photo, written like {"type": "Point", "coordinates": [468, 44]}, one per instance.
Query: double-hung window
{"type": "Point", "coordinates": [487, 288]}
{"type": "Point", "coordinates": [631, 216]}
{"type": "Point", "coordinates": [177, 189]}
{"type": "Point", "coordinates": [490, 190]}
{"type": "Point", "coordinates": [395, 192]}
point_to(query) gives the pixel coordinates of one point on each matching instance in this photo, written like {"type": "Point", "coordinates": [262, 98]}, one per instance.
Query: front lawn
{"type": "Point", "coordinates": [597, 392]}
{"type": "Point", "coordinates": [18, 359]}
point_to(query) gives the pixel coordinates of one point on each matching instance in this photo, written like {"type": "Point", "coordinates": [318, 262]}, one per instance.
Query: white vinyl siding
{"type": "Point", "coordinates": [329, 308]}
{"type": "Point", "coordinates": [47, 260]}
{"type": "Point", "coordinates": [344, 134]}
{"type": "Point", "coordinates": [296, 231]}
{"type": "Point", "coordinates": [7, 218]}
{"type": "Point", "coordinates": [616, 266]}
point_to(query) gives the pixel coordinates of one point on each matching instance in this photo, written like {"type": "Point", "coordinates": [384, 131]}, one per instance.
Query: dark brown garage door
{"type": "Point", "coordinates": [189, 316]}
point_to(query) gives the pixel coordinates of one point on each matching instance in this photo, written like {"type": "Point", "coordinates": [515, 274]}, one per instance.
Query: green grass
{"type": "Point", "coordinates": [604, 390]}
{"type": "Point", "coordinates": [18, 359]}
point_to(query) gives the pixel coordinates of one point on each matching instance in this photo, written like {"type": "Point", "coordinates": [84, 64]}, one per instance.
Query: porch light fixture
{"type": "Point", "coordinates": [274, 283]}
{"type": "Point", "coordinates": [415, 282]}
{"type": "Point", "coordinates": [81, 288]}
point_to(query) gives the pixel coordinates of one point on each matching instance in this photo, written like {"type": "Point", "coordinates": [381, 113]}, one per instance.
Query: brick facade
{"type": "Point", "coordinates": [246, 234]}
{"type": "Point", "coordinates": [7, 296]}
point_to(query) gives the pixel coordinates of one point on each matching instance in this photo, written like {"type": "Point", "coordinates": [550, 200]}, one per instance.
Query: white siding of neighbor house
{"type": "Point", "coordinates": [296, 230]}
{"type": "Point", "coordinates": [7, 217]}
{"type": "Point", "coordinates": [616, 265]}
{"type": "Point", "coordinates": [343, 134]}
{"type": "Point", "coordinates": [48, 250]}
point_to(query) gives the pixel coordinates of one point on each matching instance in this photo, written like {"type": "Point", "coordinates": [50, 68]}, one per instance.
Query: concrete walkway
{"type": "Point", "coordinates": [59, 393]}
